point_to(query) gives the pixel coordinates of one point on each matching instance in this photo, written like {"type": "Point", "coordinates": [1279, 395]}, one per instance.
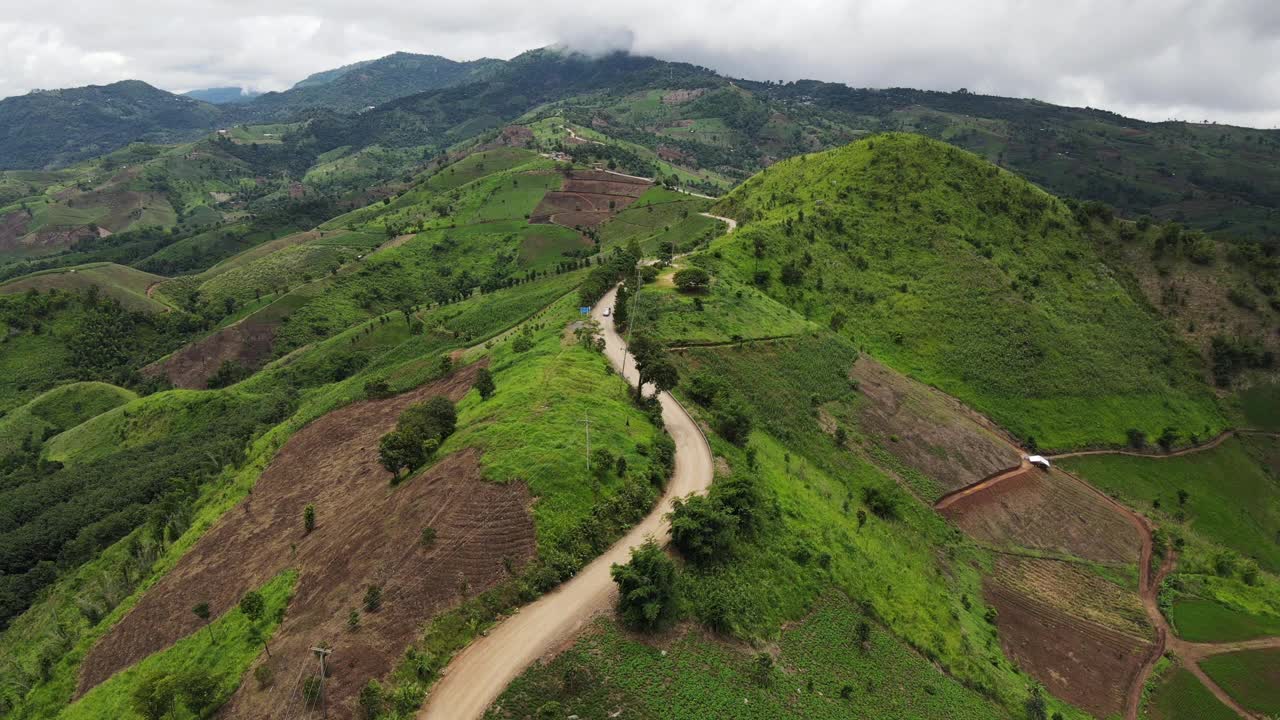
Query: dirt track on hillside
{"type": "Point", "coordinates": [367, 532]}
{"type": "Point", "coordinates": [480, 673]}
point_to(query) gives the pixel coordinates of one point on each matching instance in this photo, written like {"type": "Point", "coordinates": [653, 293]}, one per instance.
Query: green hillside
{"type": "Point", "coordinates": [119, 282]}
{"type": "Point", "coordinates": [94, 120]}
{"type": "Point", "coordinates": [971, 279]}
{"type": "Point", "coordinates": [58, 410]}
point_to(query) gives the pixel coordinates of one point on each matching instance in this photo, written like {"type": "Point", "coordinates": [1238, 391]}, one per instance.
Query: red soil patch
{"type": "Point", "coordinates": [12, 227]}
{"type": "Point", "coordinates": [367, 532]}
{"type": "Point", "coordinates": [1083, 661]}
{"type": "Point", "coordinates": [671, 154]}
{"type": "Point", "coordinates": [511, 136]}
{"type": "Point", "coordinates": [1047, 511]}
{"type": "Point", "coordinates": [588, 198]}
{"type": "Point", "coordinates": [248, 343]}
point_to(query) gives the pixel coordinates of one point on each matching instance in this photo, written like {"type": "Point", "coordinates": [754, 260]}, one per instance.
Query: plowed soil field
{"type": "Point", "coordinates": [1048, 512]}
{"type": "Point", "coordinates": [367, 532]}
{"type": "Point", "coordinates": [1082, 637]}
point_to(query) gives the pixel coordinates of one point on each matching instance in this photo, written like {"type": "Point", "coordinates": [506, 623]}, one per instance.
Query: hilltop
{"type": "Point", "coordinates": [80, 123]}
{"type": "Point", "coordinates": [971, 279]}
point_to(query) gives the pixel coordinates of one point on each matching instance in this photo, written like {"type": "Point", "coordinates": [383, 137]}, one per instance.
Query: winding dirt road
{"type": "Point", "coordinates": [481, 672]}
{"type": "Point", "coordinates": [733, 224]}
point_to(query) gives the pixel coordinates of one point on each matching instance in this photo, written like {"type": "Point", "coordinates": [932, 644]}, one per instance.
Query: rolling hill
{"type": "Point", "coordinates": [973, 280]}
{"type": "Point", "coordinates": [94, 120]}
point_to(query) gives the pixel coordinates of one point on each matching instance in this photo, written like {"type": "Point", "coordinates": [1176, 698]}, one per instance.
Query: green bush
{"type": "Point", "coordinates": [646, 588]}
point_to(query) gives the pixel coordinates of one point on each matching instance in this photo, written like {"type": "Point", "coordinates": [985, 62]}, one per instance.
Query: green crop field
{"type": "Point", "coordinates": [968, 278]}
{"type": "Point", "coordinates": [1209, 621]}
{"type": "Point", "coordinates": [478, 165]}
{"type": "Point", "coordinates": [1228, 489]}
{"type": "Point", "coordinates": [819, 672]}
{"type": "Point", "coordinates": [726, 312]}
{"type": "Point", "coordinates": [1179, 695]}
{"type": "Point", "coordinates": [1250, 677]}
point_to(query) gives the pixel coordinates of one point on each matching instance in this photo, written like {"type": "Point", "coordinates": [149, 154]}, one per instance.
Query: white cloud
{"type": "Point", "coordinates": [1191, 59]}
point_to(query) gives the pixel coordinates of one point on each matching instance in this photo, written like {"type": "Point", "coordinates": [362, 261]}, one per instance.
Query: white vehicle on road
{"type": "Point", "coordinates": [607, 311]}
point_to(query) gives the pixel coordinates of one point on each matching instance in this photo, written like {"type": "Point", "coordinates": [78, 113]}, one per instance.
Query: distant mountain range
{"type": "Point", "coordinates": [80, 123]}
{"type": "Point", "coordinates": [683, 117]}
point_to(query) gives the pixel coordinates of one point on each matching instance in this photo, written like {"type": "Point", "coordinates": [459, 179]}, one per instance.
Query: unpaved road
{"type": "Point", "coordinates": [733, 224]}
{"type": "Point", "coordinates": [481, 672]}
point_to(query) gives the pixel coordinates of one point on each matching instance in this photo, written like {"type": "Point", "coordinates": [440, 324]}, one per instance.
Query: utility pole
{"type": "Point", "coordinates": [322, 653]}
{"type": "Point", "coordinates": [631, 323]}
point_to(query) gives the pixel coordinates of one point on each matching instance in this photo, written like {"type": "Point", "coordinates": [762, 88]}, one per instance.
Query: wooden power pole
{"type": "Point", "coordinates": [322, 653]}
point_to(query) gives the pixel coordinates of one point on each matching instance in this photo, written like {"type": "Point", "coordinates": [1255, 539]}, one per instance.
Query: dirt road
{"type": "Point", "coordinates": [480, 673]}
{"type": "Point", "coordinates": [733, 224]}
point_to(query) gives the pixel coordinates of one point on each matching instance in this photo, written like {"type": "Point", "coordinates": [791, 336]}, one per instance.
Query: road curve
{"type": "Point", "coordinates": [477, 675]}
{"type": "Point", "coordinates": [733, 224]}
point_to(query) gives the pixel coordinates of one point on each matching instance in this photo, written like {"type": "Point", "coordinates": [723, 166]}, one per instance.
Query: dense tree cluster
{"type": "Point", "coordinates": [54, 517]}
{"type": "Point", "coordinates": [419, 432]}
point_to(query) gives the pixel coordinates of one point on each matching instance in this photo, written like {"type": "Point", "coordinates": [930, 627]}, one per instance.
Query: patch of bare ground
{"type": "Point", "coordinates": [937, 435]}
{"type": "Point", "coordinates": [367, 532]}
{"type": "Point", "coordinates": [12, 227]}
{"type": "Point", "coordinates": [677, 97]}
{"type": "Point", "coordinates": [248, 343]}
{"type": "Point", "coordinates": [588, 198]}
{"type": "Point", "coordinates": [1047, 511]}
{"type": "Point", "coordinates": [1081, 636]}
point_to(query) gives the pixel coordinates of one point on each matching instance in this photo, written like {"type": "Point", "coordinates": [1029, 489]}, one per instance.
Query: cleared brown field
{"type": "Point", "coordinates": [1048, 511]}
{"type": "Point", "coordinates": [367, 532]}
{"type": "Point", "coordinates": [588, 198]}
{"type": "Point", "coordinates": [936, 434]}
{"type": "Point", "coordinates": [248, 343]}
{"type": "Point", "coordinates": [1074, 632]}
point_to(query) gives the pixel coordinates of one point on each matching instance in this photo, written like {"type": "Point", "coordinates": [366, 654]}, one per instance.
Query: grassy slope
{"type": "Point", "coordinates": [729, 309]}
{"type": "Point", "coordinates": [659, 218]}
{"type": "Point", "coordinates": [695, 676]}
{"type": "Point", "coordinates": [57, 410]}
{"type": "Point", "coordinates": [971, 279]}
{"type": "Point", "coordinates": [533, 428]}
{"type": "Point", "coordinates": [121, 282]}
{"type": "Point", "coordinates": [1232, 494]}
{"type": "Point", "coordinates": [224, 650]}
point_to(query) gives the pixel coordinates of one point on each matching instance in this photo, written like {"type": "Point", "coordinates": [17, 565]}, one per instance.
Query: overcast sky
{"type": "Point", "coordinates": [1154, 59]}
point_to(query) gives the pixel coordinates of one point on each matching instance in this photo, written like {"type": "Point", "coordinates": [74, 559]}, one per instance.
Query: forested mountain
{"type": "Point", "coordinates": [58, 127]}
{"type": "Point", "coordinates": [1220, 179]}
{"type": "Point", "coordinates": [356, 87]}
